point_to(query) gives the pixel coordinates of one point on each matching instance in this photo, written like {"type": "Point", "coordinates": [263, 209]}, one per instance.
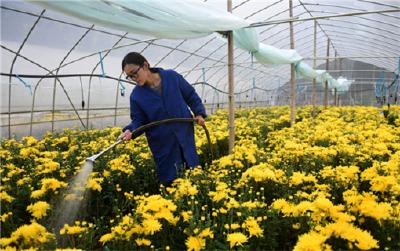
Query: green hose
{"type": "Point", "coordinates": [156, 123]}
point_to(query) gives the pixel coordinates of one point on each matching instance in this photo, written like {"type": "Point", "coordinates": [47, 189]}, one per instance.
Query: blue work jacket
{"type": "Point", "coordinates": [165, 140]}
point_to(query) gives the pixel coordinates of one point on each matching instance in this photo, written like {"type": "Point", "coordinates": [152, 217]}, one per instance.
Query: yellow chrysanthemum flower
{"type": "Point", "coordinates": [28, 235]}
{"type": "Point", "coordinates": [95, 184]}
{"type": "Point", "coordinates": [236, 239]}
{"type": "Point", "coordinates": [253, 228]}
{"type": "Point", "coordinates": [106, 238]}
{"type": "Point", "coordinates": [310, 241]}
{"type": "Point", "coordinates": [39, 209]}
{"type": "Point", "coordinates": [195, 243]}
{"type": "Point", "coordinates": [151, 226]}
{"type": "Point", "coordinates": [4, 196]}
{"type": "Point", "coordinates": [143, 242]}
{"type": "Point", "coordinates": [67, 229]}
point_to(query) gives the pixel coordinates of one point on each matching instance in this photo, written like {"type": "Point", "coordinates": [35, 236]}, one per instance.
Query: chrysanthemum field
{"type": "Point", "coordinates": [329, 182]}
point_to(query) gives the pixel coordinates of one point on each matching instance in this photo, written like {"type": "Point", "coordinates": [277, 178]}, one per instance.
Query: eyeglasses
{"type": "Point", "coordinates": [134, 74]}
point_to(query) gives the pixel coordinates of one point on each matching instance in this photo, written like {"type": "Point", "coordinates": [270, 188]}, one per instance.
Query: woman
{"type": "Point", "coordinates": [163, 94]}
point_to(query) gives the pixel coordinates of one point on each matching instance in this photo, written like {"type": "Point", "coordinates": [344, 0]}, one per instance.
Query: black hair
{"type": "Point", "coordinates": [133, 58]}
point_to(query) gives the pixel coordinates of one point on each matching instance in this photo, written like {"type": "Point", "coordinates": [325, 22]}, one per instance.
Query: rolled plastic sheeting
{"type": "Point", "coordinates": [343, 84]}
{"type": "Point", "coordinates": [307, 71]}
{"type": "Point", "coordinates": [182, 19]}
{"type": "Point", "coordinates": [246, 39]}
{"type": "Point", "coordinates": [176, 19]}
{"type": "Point", "coordinates": [271, 55]}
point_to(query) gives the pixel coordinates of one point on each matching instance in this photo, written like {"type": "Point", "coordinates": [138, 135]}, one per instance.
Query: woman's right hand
{"type": "Point", "coordinates": [127, 135]}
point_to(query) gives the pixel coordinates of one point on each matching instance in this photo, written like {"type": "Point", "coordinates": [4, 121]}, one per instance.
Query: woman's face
{"type": "Point", "coordinates": [136, 73]}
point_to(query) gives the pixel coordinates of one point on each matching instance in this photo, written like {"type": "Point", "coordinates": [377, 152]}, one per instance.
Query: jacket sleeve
{"type": "Point", "coordinates": [191, 97]}
{"type": "Point", "coordinates": [138, 118]}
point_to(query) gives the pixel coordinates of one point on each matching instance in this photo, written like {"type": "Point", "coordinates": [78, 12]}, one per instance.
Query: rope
{"type": "Point", "coordinates": [102, 65]}
{"type": "Point", "coordinates": [28, 86]}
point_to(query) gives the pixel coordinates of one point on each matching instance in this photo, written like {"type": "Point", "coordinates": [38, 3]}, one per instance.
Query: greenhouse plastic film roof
{"type": "Point", "coordinates": [363, 48]}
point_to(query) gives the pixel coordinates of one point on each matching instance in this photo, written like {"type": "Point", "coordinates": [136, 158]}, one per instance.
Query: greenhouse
{"type": "Point", "coordinates": [200, 125]}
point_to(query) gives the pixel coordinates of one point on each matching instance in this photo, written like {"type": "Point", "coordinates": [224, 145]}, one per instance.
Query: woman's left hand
{"type": "Point", "coordinates": [200, 120]}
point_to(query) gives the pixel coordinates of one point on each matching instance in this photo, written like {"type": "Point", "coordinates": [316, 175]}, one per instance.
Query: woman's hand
{"type": "Point", "coordinates": [127, 135]}
{"type": "Point", "coordinates": [200, 120]}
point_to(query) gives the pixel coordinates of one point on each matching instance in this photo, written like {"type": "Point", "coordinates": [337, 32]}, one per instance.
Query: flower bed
{"type": "Point", "coordinates": [329, 182]}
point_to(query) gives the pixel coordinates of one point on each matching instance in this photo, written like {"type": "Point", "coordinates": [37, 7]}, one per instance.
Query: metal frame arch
{"type": "Point", "coordinates": [324, 46]}
{"type": "Point", "coordinates": [239, 65]}
{"type": "Point", "coordinates": [368, 26]}
{"type": "Point", "coordinates": [262, 39]}
{"type": "Point", "coordinates": [281, 73]}
{"type": "Point", "coordinates": [58, 69]}
{"type": "Point", "coordinates": [108, 33]}
{"type": "Point", "coordinates": [116, 99]}
{"type": "Point", "coordinates": [190, 55]}
{"type": "Point", "coordinates": [322, 30]}
{"type": "Point", "coordinates": [256, 75]}
{"type": "Point", "coordinates": [238, 82]}
{"type": "Point", "coordinates": [245, 68]}
{"type": "Point", "coordinates": [347, 8]}
{"type": "Point", "coordinates": [243, 73]}
{"type": "Point", "coordinates": [243, 90]}
{"type": "Point", "coordinates": [209, 85]}
{"type": "Point", "coordinates": [207, 94]}
{"type": "Point", "coordinates": [262, 69]}
{"type": "Point", "coordinates": [219, 46]}
{"type": "Point", "coordinates": [372, 63]}
{"type": "Point", "coordinates": [366, 37]}
{"type": "Point", "coordinates": [361, 17]}
{"type": "Point", "coordinates": [286, 37]}
{"type": "Point", "coordinates": [272, 26]}
{"type": "Point", "coordinates": [49, 72]}
{"type": "Point", "coordinates": [344, 41]}
{"type": "Point", "coordinates": [205, 84]}
{"type": "Point", "coordinates": [204, 59]}
{"type": "Point", "coordinates": [237, 6]}
{"type": "Point", "coordinates": [225, 44]}
{"type": "Point", "coordinates": [373, 60]}
{"type": "Point", "coordinates": [221, 65]}
{"type": "Point", "coordinates": [87, 27]}
{"type": "Point", "coordinates": [377, 3]}
{"type": "Point", "coordinates": [220, 79]}
{"type": "Point", "coordinates": [265, 75]}
{"type": "Point", "coordinates": [296, 41]}
{"type": "Point", "coordinates": [263, 9]}
{"type": "Point", "coordinates": [366, 31]}
{"type": "Point", "coordinates": [317, 23]}
{"type": "Point", "coordinates": [97, 52]}
{"type": "Point", "coordinates": [170, 52]}
{"type": "Point", "coordinates": [284, 30]}
{"type": "Point", "coordinates": [94, 68]}
{"type": "Point", "coordinates": [306, 46]}
{"type": "Point", "coordinates": [256, 87]}
{"type": "Point", "coordinates": [12, 67]}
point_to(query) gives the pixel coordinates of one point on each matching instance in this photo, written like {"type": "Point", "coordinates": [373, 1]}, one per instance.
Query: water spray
{"type": "Point", "coordinates": [68, 209]}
